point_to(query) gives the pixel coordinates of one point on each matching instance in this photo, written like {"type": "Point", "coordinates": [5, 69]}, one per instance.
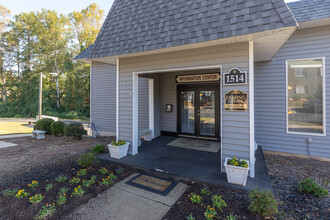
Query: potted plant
{"type": "Point", "coordinates": [118, 149]}
{"type": "Point", "coordinates": [237, 170]}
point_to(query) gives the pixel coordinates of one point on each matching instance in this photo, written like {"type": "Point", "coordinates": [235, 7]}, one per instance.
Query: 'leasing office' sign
{"type": "Point", "coordinates": [211, 77]}
{"type": "Point", "coordinates": [236, 100]}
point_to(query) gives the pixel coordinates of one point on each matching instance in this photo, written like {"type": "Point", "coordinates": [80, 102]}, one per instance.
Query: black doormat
{"type": "Point", "coordinates": [158, 185]}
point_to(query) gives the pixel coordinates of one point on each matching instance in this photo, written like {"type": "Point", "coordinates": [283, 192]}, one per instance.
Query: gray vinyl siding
{"type": "Point", "coordinates": [270, 94]}
{"type": "Point", "coordinates": [103, 97]}
{"type": "Point", "coordinates": [235, 134]}
{"type": "Point", "coordinates": [168, 120]}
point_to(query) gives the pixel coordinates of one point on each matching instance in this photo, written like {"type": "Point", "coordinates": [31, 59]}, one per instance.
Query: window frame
{"type": "Point", "coordinates": [323, 99]}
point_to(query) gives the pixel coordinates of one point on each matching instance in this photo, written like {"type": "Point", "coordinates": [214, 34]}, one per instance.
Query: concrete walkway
{"type": "Point", "coordinates": [4, 144]}
{"type": "Point", "coordinates": [14, 136]}
{"type": "Point", "coordinates": [126, 202]}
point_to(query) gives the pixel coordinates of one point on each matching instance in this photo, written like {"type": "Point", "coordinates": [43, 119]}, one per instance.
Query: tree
{"type": "Point", "coordinates": [86, 24]}
{"type": "Point", "coordinates": [25, 26]}
{"type": "Point", "coordinates": [53, 40]}
{"type": "Point", "coordinates": [46, 41]}
{"type": "Point", "coordinates": [4, 19]}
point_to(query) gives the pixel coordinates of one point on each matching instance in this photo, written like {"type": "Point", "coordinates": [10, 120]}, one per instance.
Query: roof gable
{"type": "Point", "coordinates": [141, 25]}
{"type": "Point", "coordinates": [308, 10]}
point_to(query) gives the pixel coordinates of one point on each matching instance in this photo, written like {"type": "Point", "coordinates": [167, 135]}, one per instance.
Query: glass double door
{"type": "Point", "coordinates": [199, 110]}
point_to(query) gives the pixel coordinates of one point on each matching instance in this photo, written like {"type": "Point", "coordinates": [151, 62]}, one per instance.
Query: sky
{"type": "Point", "coordinates": [63, 6]}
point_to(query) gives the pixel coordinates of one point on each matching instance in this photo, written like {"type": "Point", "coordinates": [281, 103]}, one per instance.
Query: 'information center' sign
{"type": "Point", "coordinates": [198, 78]}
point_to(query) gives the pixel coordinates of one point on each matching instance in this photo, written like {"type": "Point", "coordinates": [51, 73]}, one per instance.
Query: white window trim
{"type": "Point", "coordinates": [323, 94]}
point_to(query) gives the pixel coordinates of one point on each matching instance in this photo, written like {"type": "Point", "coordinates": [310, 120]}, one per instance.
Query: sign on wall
{"type": "Point", "coordinates": [235, 77]}
{"type": "Point", "coordinates": [211, 77]}
{"type": "Point", "coordinates": [236, 100]}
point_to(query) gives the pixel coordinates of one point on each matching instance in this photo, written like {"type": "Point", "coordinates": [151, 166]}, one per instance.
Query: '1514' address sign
{"type": "Point", "coordinates": [235, 77]}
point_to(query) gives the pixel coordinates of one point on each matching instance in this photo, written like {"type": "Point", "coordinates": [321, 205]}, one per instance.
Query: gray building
{"type": "Point", "coordinates": [237, 72]}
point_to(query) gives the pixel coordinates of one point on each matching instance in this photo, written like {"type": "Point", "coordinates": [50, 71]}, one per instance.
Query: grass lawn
{"type": "Point", "coordinates": [14, 128]}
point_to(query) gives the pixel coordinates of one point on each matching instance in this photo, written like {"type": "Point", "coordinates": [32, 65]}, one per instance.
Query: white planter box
{"type": "Point", "coordinates": [236, 175]}
{"type": "Point", "coordinates": [118, 152]}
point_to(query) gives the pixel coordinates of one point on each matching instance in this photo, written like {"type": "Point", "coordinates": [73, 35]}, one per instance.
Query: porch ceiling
{"type": "Point", "coordinates": [266, 43]}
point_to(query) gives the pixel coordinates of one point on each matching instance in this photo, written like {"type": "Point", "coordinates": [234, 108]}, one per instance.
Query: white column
{"type": "Point", "coordinates": [251, 95]}
{"type": "Point", "coordinates": [151, 108]}
{"type": "Point", "coordinates": [135, 138]}
{"type": "Point", "coordinates": [117, 102]}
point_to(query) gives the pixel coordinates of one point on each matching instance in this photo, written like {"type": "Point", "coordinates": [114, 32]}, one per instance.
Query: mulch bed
{"type": "Point", "coordinates": [13, 208]}
{"type": "Point", "coordinates": [285, 173]}
{"type": "Point", "coordinates": [237, 203]}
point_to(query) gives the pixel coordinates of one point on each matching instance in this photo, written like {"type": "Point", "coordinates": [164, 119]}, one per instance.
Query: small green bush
{"type": "Point", "coordinates": [75, 130]}
{"type": "Point", "coordinates": [10, 192]}
{"type": "Point", "coordinates": [86, 160]}
{"type": "Point", "coordinates": [98, 149]}
{"type": "Point", "coordinates": [231, 217]}
{"type": "Point", "coordinates": [44, 125]}
{"type": "Point", "coordinates": [218, 202]}
{"type": "Point", "coordinates": [263, 203]}
{"type": "Point", "coordinates": [57, 128]}
{"type": "Point", "coordinates": [205, 191]}
{"type": "Point", "coordinates": [309, 186]}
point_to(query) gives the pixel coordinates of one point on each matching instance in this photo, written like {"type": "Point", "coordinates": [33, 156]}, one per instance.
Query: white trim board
{"type": "Point", "coordinates": [251, 96]}
{"type": "Point", "coordinates": [151, 108]}
{"type": "Point", "coordinates": [117, 100]}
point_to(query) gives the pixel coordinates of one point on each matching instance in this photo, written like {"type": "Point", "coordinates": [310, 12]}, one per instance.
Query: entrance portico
{"type": "Point", "coordinates": [159, 88]}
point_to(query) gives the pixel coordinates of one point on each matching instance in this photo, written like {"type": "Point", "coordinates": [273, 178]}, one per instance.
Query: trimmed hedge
{"type": "Point", "coordinates": [57, 128]}
{"type": "Point", "coordinates": [75, 130]}
{"type": "Point", "coordinates": [44, 125]}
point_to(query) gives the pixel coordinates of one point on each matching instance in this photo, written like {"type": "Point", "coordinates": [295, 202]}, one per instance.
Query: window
{"type": "Point", "coordinates": [300, 89]}
{"type": "Point", "coordinates": [305, 96]}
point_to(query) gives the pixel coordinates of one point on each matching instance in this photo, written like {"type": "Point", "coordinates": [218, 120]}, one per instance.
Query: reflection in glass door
{"type": "Point", "coordinates": [199, 110]}
{"type": "Point", "coordinates": [188, 112]}
{"type": "Point", "coordinates": [207, 113]}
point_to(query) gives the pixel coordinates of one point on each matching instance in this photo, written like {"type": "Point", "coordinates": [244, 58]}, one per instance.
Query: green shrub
{"type": "Point", "coordinates": [231, 217]}
{"type": "Point", "coordinates": [205, 191]}
{"type": "Point", "coordinates": [75, 130]}
{"type": "Point", "coordinates": [210, 213]}
{"type": "Point", "coordinates": [44, 125]}
{"type": "Point", "coordinates": [57, 128]}
{"type": "Point", "coordinates": [218, 202]}
{"type": "Point", "coordinates": [263, 203]}
{"type": "Point", "coordinates": [195, 198]}
{"type": "Point", "coordinates": [309, 186]}
{"type": "Point", "coordinates": [86, 160]}
{"type": "Point", "coordinates": [10, 192]}
{"type": "Point", "coordinates": [190, 217]}
{"type": "Point", "coordinates": [98, 149]}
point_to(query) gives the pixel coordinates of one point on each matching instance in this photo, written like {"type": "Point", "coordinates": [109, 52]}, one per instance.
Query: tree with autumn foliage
{"type": "Point", "coordinates": [46, 41]}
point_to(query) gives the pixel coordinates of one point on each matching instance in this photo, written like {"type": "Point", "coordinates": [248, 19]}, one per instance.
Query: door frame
{"type": "Point", "coordinates": [197, 88]}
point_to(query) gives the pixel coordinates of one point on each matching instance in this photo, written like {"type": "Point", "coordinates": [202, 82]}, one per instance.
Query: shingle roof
{"type": "Point", "coordinates": [308, 10]}
{"type": "Point", "coordinates": [86, 53]}
{"type": "Point", "coordinates": [141, 25]}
